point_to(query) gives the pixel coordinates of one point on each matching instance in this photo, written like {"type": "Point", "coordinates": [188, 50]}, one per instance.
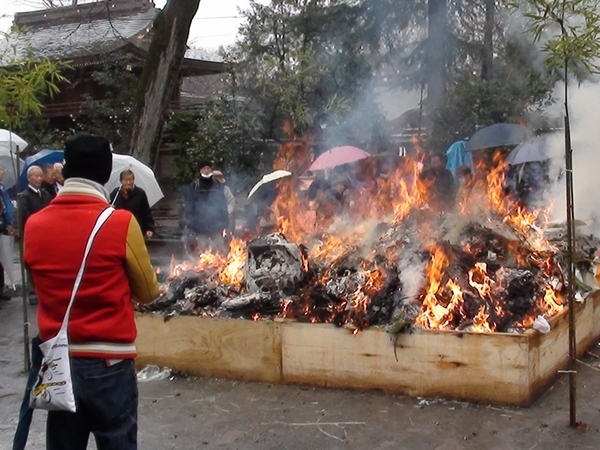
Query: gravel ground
{"type": "Point", "coordinates": [196, 413]}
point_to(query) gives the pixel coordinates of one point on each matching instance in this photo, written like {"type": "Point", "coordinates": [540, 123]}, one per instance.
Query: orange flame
{"type": "Point", "coordinates": [434, 314]}
{"type": "Point", "coordinates": [484, 286]}
{"type": "Point", "coordinates": [229, 267]}
{"type": "Point", "coordinates": [550, 303]}
{"type": "Point", "coordinates": [392, 199]}
{"type": "Point", "coordinates": [481, 322]}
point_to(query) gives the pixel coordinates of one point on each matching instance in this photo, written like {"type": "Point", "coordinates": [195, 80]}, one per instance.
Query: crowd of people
{"type": "Point", "coordinates": [44, 184]}
{"type": "Point", "coordinates": [207, 216]}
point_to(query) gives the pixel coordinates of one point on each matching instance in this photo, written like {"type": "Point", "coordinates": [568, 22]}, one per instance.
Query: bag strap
{"type": "Point", "coordinates": [101, 221]}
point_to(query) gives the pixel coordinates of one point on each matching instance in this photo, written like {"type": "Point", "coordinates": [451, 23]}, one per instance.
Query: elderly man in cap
{"type": "Point", "coordinates": [206, 217]}
{"type": "Point", "coordinates": [102, 329]}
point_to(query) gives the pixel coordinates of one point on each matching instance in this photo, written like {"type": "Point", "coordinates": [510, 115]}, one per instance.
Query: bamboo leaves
{"type": "Point", "coordinates": [569, 31]}
{"type": "Point", "coordinates": [24, 82]}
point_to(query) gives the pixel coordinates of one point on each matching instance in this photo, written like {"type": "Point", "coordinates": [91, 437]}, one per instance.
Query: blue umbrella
{"type": "Point", "coordinates": [40, 159]}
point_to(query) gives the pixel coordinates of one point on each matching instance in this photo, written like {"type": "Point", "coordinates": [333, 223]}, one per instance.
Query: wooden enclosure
{"type": "Point", "coordinates": [499, 368]}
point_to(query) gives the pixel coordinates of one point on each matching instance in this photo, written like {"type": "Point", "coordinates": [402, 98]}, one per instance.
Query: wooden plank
{"type": "Point", "coordinates": [463, 366]}
{"type": "Point", "coordinates": [595, 298]}
{"type": "Point", "coordinates": [499, 368]}
{"type": "Point", "coordinates": [549, 352]}
{"type": "Point", "coordinates": [233, 349]}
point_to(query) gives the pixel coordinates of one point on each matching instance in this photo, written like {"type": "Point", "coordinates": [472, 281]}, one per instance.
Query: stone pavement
{"type": "Point", "coordinates": [191, 413]}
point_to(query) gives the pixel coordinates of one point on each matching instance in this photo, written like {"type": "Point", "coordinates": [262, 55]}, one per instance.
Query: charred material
{"type": "Point", "coordinates": [273, 265]}
{"type": "Point", "coordinates": [175, 291]}
{"type": "Point", "coordinates": [489, 278]}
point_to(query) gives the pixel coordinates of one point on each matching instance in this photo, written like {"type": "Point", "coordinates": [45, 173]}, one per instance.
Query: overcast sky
{"type": "Point", "coordinates": [215, 24]}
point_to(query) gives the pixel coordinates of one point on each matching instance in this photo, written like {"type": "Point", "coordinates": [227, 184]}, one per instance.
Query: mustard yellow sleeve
{"type": "Point", "coordinates": [142, 279]}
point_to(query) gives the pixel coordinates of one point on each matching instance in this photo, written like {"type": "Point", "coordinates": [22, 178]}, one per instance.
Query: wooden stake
{"type": "Point", "coordinates": [24, 296]}
{"type": "Point", "coordinates": [570, 263]}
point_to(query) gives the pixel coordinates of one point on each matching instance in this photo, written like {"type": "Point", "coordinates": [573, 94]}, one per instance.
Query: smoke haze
{"type": "Point", "coordinates": [584, 106]}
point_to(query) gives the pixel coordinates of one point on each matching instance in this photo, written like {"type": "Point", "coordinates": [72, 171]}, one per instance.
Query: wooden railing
{"type": "Point", "coordinates": [76, 109]}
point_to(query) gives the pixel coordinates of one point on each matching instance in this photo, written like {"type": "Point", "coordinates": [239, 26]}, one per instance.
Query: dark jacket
{"type": "Point", "coordinates": [32, 202]}
{"type": "Point", "coordinates": [442, 190]}
{"type": "Point", "coordinates": [205, 207]}
{"type": "Point", "coordinates": [136, 203]}
{"type": "Point", "coordinates": [7, 212]}
{"type": "Point", "coordinates": [50, 189]}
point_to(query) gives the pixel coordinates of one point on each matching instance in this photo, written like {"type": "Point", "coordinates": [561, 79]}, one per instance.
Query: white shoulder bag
{"type": "Point", "coordinates": [53, 390]}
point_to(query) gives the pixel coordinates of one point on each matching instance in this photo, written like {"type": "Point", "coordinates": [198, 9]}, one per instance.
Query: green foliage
{"type": "Point", "coordinates": [570, 32]}
{"type": "Point", "coordinates": [24, 81]}
{"type": "Point", "coordinates": [516, 91]}
{"type": "Point", "coordinates": [110, 116]}
{"type": "Point", "coordinates": [224, 132]}
{"type": "Point", "coordinates": [299, 67]}
{"type": "Point", "coordinates": [38, 133]}
{"type": "Point", "coordinates": [304, 64]}
{"type": "Point", "coordinates": [487, 80]}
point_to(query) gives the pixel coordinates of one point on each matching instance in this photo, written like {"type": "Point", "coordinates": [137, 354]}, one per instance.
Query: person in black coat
{"type": "Point", "coordinates": [205, 215]}
{"type": "Point", "coordinates": [49, 180]}
{"type": "Point", "coordinates": [440, 182]}
{"type": "Point", "coordinates": [134, 200]}
{"type": "Point", "coordinates": [33, 198]}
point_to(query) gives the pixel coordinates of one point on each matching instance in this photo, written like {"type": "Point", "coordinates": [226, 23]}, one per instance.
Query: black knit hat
{"type": "Point", "coordinates": [203, 163]}
{"type": "Point", "coordinates": [89, 157]}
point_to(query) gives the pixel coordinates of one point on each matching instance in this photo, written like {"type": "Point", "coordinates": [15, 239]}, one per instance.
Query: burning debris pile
{"type": "Point", "coordinates": [484, 267]}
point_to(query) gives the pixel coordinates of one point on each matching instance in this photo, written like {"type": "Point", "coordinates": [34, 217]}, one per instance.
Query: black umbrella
{"type": "Point", "coordinates": [498, 135]}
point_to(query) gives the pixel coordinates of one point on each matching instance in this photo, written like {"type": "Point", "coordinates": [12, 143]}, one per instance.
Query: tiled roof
{"type": "Point", "coordinates": [92, 29]}
{"type": "Point", "coordinates": [91, 34]}
{"type": "Point", "coordinates": [204, 55]}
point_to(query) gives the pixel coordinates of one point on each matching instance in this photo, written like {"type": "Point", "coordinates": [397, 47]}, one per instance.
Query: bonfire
{"type": "Point", "coordinates": [390, 260]}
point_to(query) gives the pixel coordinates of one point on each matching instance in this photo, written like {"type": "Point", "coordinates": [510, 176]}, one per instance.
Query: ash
{"type": "Point", "coordinates": [492, 279]}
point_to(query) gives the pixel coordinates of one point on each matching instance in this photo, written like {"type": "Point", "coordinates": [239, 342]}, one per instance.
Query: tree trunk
{"type": "Point", "coordinates": [160, 76]}
{"type": "Point", "coordinates": [487, 66]}
{"type": "Point", "coordinates": [436, 45]}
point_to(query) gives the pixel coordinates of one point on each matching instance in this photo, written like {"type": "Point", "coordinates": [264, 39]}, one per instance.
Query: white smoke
{"type": "Point", "coordinates": [584, 108]}
{"type": "Point", "coordinates": [412, 276]}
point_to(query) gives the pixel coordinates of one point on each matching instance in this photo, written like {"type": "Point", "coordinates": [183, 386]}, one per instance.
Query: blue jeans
{"type": "Point", "coordinates": [26, 413]}
{"type": "Point", "coordinates": [107, 402]}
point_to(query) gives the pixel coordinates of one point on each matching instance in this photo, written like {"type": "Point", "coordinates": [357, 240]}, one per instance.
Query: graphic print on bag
{"type": "Point", "coordinates": [48, 371]}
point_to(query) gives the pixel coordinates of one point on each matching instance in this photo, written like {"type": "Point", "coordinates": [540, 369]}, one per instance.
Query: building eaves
{"type": "Point", "coordinates": [86, 38]}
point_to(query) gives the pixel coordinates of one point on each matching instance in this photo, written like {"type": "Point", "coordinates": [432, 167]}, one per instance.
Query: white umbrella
{"type": "Point", "coordinates": [8, 161]}
{"type": "Point", "coordinates": [269, 178]}
{"type": "Point", "coordinates": [144, 176]}
{"type": "Point", "coordinates": [10, 141]}
{"type": "Point", "coordinates": [535, 149]}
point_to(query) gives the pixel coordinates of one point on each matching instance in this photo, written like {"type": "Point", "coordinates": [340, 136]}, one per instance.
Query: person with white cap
{"type": "Point", "coordinates": [205, 212]}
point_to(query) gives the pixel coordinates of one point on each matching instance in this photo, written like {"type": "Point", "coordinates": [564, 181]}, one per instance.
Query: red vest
{"type": "Point", "coordinates": [102, 319]}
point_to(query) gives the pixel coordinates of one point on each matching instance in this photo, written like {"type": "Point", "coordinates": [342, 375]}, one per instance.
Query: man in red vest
{"type": "Point", "coordinates": [102, 329]}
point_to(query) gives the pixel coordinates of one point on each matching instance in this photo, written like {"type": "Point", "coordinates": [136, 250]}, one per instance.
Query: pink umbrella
{"type": "Point", "coordinates": [338, 156]}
